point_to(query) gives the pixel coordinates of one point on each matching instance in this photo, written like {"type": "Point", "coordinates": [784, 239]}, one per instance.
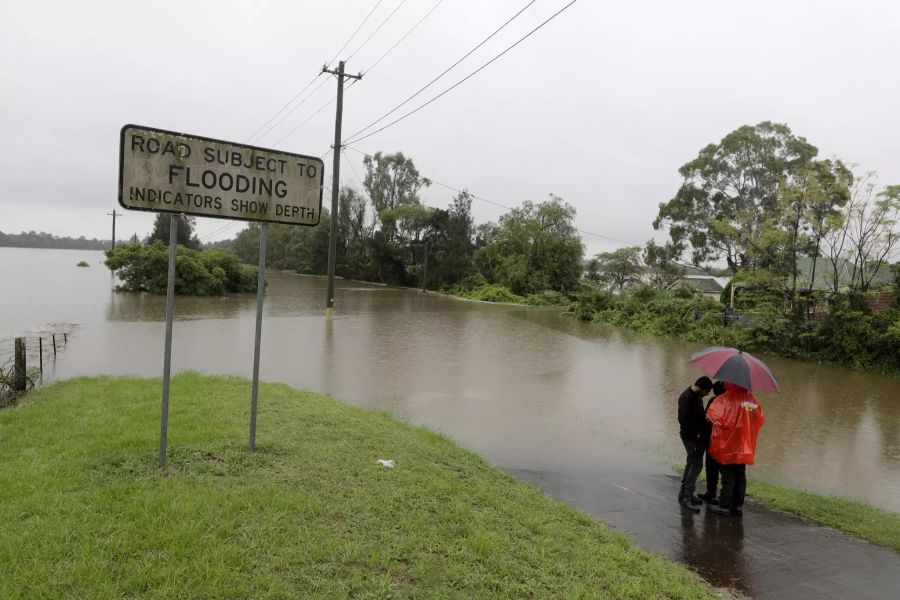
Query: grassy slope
{"type": "Point", "coordinates": [85, 512]}
{"type": "Point", "coordinates": [853, 518]}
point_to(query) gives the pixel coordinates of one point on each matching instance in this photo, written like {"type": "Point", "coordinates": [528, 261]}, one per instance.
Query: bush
{"type": "Point", "coordinates": [546, 298]}
{"type": "Point", "coordinates": [197, 272]}
{"type": "Point", "coordinates": [81, 263]}
{"type": "Point", "coordinates": [493, 293]}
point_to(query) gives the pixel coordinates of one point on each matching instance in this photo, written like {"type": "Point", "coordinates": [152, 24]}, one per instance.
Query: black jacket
{"type": "Point", "coordinates": [691, 415]}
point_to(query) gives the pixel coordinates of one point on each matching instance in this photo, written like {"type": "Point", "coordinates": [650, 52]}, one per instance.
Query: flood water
{"type": "Point", "coordinates": [525, 387]}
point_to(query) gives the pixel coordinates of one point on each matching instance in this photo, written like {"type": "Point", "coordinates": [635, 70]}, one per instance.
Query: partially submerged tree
{"type": "Point", "coordinates": [535, 247]}
{"type": "Point", "coordinates": [185, 234]}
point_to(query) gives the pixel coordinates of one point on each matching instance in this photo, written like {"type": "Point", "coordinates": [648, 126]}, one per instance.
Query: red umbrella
{"type": "Point", "coordinates": [736, 366]}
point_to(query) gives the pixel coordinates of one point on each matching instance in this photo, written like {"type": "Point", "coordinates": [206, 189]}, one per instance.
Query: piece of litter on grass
{"type": "Point", "coordinates": [389, 463]}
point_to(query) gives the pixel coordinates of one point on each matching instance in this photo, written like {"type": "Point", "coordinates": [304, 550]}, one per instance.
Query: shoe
{"type": "Point", "coordinates": [695, 500]}
{"type": "Point", "coordinates": [686, 503]}
{"type": "Point", "coordinates": [725, 512]}
{"type": "Point", "coordinates": [737, 511]}
{"type": "Point", "coordinates": [713, 501]}
{"type": "Point", "coordinates": [707, 496]}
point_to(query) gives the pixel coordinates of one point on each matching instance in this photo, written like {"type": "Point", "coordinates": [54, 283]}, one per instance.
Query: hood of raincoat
{"type": "Point", "coordinates": [737, 417]}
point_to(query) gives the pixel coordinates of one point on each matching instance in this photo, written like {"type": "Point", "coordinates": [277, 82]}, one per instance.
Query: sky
{"type": "Point", "coordinates": [601, 106]}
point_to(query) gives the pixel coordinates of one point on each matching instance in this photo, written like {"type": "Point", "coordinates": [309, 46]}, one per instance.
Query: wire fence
{"type": "Point", "coordinates": [28, 361]}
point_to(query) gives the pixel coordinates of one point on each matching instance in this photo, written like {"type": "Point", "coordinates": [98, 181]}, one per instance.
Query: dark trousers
{"type": "Point", "coordinates": [712, 474]}
{"type": "Point", "coordinates": [693, 465]}
{"type": "Point", "coordinates": [734, 486]}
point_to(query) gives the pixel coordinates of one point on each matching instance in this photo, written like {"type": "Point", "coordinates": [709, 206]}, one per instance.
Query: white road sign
{"type": "Point", "coordinates": [165, 171]}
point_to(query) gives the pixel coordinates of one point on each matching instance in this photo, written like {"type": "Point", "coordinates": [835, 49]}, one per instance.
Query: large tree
{"type": "Point", "coordinates": [535, 247]}
{"type": "Point", "coordinates": [619, 268]}
{"type": "Point", "coordinates": [185, 234]}
{"type": "Point", "coordinates": [729, 193]}
{"type": "Point", "coordinates": [391, 181]}
{"type": "Point", "coordinates": [449, 243]}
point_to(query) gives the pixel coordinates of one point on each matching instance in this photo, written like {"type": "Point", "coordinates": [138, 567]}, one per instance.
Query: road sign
{"type": "Point", "coordinates": [166, 171]}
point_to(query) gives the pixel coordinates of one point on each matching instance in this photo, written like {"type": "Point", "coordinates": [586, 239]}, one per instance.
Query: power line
{"type": "Point", "coordinates": [278, 112]}
{"type": "Point", "coordinates": [288, 113]}
{"type": "Point", "coordinates": [311, 81]}
{"type": "Point", "coordinates": [352, 35]}
{"type": "Point", "coordinates": [444, 72]}
{"type": "Point", "coordinates": [483, 199]}
{"type": "Point", "coordinates": [352, 168]}
{"type": "Point", "coordinates": [467, 77]}
{"type": "Point", "coordinates": [377, 29]}
{"type": "Point", "coordinates": [307, 120]}
{"type": "Point", "coordinates": [405, 35]}
{"type": "Point", "coordinates": [352, 83]}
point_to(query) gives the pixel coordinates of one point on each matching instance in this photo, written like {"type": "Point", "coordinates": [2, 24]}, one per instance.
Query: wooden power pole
{"type": "Point", "coordinates": [114, 214]}
{"type": "Point", "coordinates": [335, 181]}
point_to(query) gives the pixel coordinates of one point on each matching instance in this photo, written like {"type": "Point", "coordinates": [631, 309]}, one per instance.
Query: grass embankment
{"type": "Point", "coordinates": [853, 518]}
{"type": "Point", "coordinates": [499, 293]}
{"type": "Point", "coordinates": [86, 513]}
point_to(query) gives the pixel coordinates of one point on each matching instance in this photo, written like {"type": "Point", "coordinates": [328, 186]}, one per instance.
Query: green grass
{"type": "Point", "coordinates": [853, 518]}
{"type": "Point", "coordinates": [85, 512]}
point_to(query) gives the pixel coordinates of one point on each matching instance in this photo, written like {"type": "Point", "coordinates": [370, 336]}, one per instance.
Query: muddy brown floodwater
{"type": "Point", "coordinates": [526, 388]}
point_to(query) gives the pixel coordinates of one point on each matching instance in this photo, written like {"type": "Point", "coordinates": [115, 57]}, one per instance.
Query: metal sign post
{"type": "Point", "coordinates": [260, 293]}
{"type": "Point", "coordinates": [179, 173]}
{"type": "Point", "coordinates": [167, 352]}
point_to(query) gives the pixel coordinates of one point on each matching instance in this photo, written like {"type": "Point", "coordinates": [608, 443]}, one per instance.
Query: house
{"type": "Point", "coordinates": [708, 285]}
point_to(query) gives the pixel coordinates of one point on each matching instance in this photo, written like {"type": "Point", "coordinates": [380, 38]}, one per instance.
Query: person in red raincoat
{"type": "Point", "coordinates": [736, 418]}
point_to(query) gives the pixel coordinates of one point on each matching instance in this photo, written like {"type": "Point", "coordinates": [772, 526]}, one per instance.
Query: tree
{"type": "Point", "coordinates": [621, 267]}
{"type": "Point", "coordinates": [144, 267]}
{"type": "Point", "coordinates": [185, 236]}
{"type": "Point", "coordinates": [449, 243]}
{"type": "Point", "coordinates": [731, 190]}
{"type": "Point", "coordinates": [663, 263]}
{"type": "Point", "coordinates": [355, 231]}
{"type": "Point", "coordinates": [392, 180]}
{"type": "Point", "coordinates": [868, 237]}
{"type": "Point", "coordinates": [534, 248]}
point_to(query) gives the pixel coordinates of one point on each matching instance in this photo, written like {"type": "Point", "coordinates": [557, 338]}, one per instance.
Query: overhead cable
{"type": "Point", "coordinates": [461, 81]}
{"type": "Point", "coordinates": [444, 72]}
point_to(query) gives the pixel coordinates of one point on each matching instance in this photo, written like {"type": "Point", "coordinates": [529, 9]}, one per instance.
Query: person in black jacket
{"type": "Point", "coordinates": [692, 419]}
{"type": "Point", "coordinates": [712, 467]}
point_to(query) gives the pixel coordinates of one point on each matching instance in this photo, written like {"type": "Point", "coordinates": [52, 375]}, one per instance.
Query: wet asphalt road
{"type": "Point", "coordinates": [765, 554]}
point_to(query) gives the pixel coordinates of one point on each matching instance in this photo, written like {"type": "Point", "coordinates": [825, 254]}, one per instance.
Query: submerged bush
{"type": "Point", "coordinates": [197, 272]}
{"type": "Point", "coordinates": [492, 293]}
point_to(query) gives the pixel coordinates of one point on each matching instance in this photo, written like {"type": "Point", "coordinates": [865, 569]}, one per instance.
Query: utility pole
{"type": "Point", "coordinates": [335, 181]}
{"type": "Point", "coordinates": [114, 214]}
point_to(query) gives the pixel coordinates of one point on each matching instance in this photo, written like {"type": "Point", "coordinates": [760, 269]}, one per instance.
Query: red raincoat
{"type": "Point", "coordinates": [737, 417]}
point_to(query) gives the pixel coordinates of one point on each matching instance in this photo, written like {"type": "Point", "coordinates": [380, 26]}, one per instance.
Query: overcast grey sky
{"type": "Point", "coordinates": [601, 106]}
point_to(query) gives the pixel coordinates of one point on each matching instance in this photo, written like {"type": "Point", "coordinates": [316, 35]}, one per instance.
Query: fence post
{"type": "Point", "coordinates": [19, 379]}
{"type": "Point", "coordinates": [54, 346]}
{"type": "Point", "coordinates": [41, 354]}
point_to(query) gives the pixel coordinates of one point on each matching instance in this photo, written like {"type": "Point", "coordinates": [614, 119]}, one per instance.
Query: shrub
{"type": "Point", "coordinates": [493, 293]}
{"type": "Point", "coordinates": [546, 298]}
{"type": "Point", "coordinates": [197, 272]}
{"type": "Point", "coordinates": [81, 263]}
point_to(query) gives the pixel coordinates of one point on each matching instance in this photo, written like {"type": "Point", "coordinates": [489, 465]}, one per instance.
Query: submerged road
{"type": "Point", "coordinates": [766, 554]}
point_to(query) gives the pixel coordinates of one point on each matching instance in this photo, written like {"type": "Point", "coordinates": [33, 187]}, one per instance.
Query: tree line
{"type": "Point", "coordinates": [35, 239]}
{"type": "Point", "coordinates": [387, 235]}
{"type": "Point", "coordinates": [805, 240]}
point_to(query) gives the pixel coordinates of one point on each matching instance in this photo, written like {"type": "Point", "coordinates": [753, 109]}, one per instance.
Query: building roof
{"type": "Point", "coordinates": [703, 283]}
